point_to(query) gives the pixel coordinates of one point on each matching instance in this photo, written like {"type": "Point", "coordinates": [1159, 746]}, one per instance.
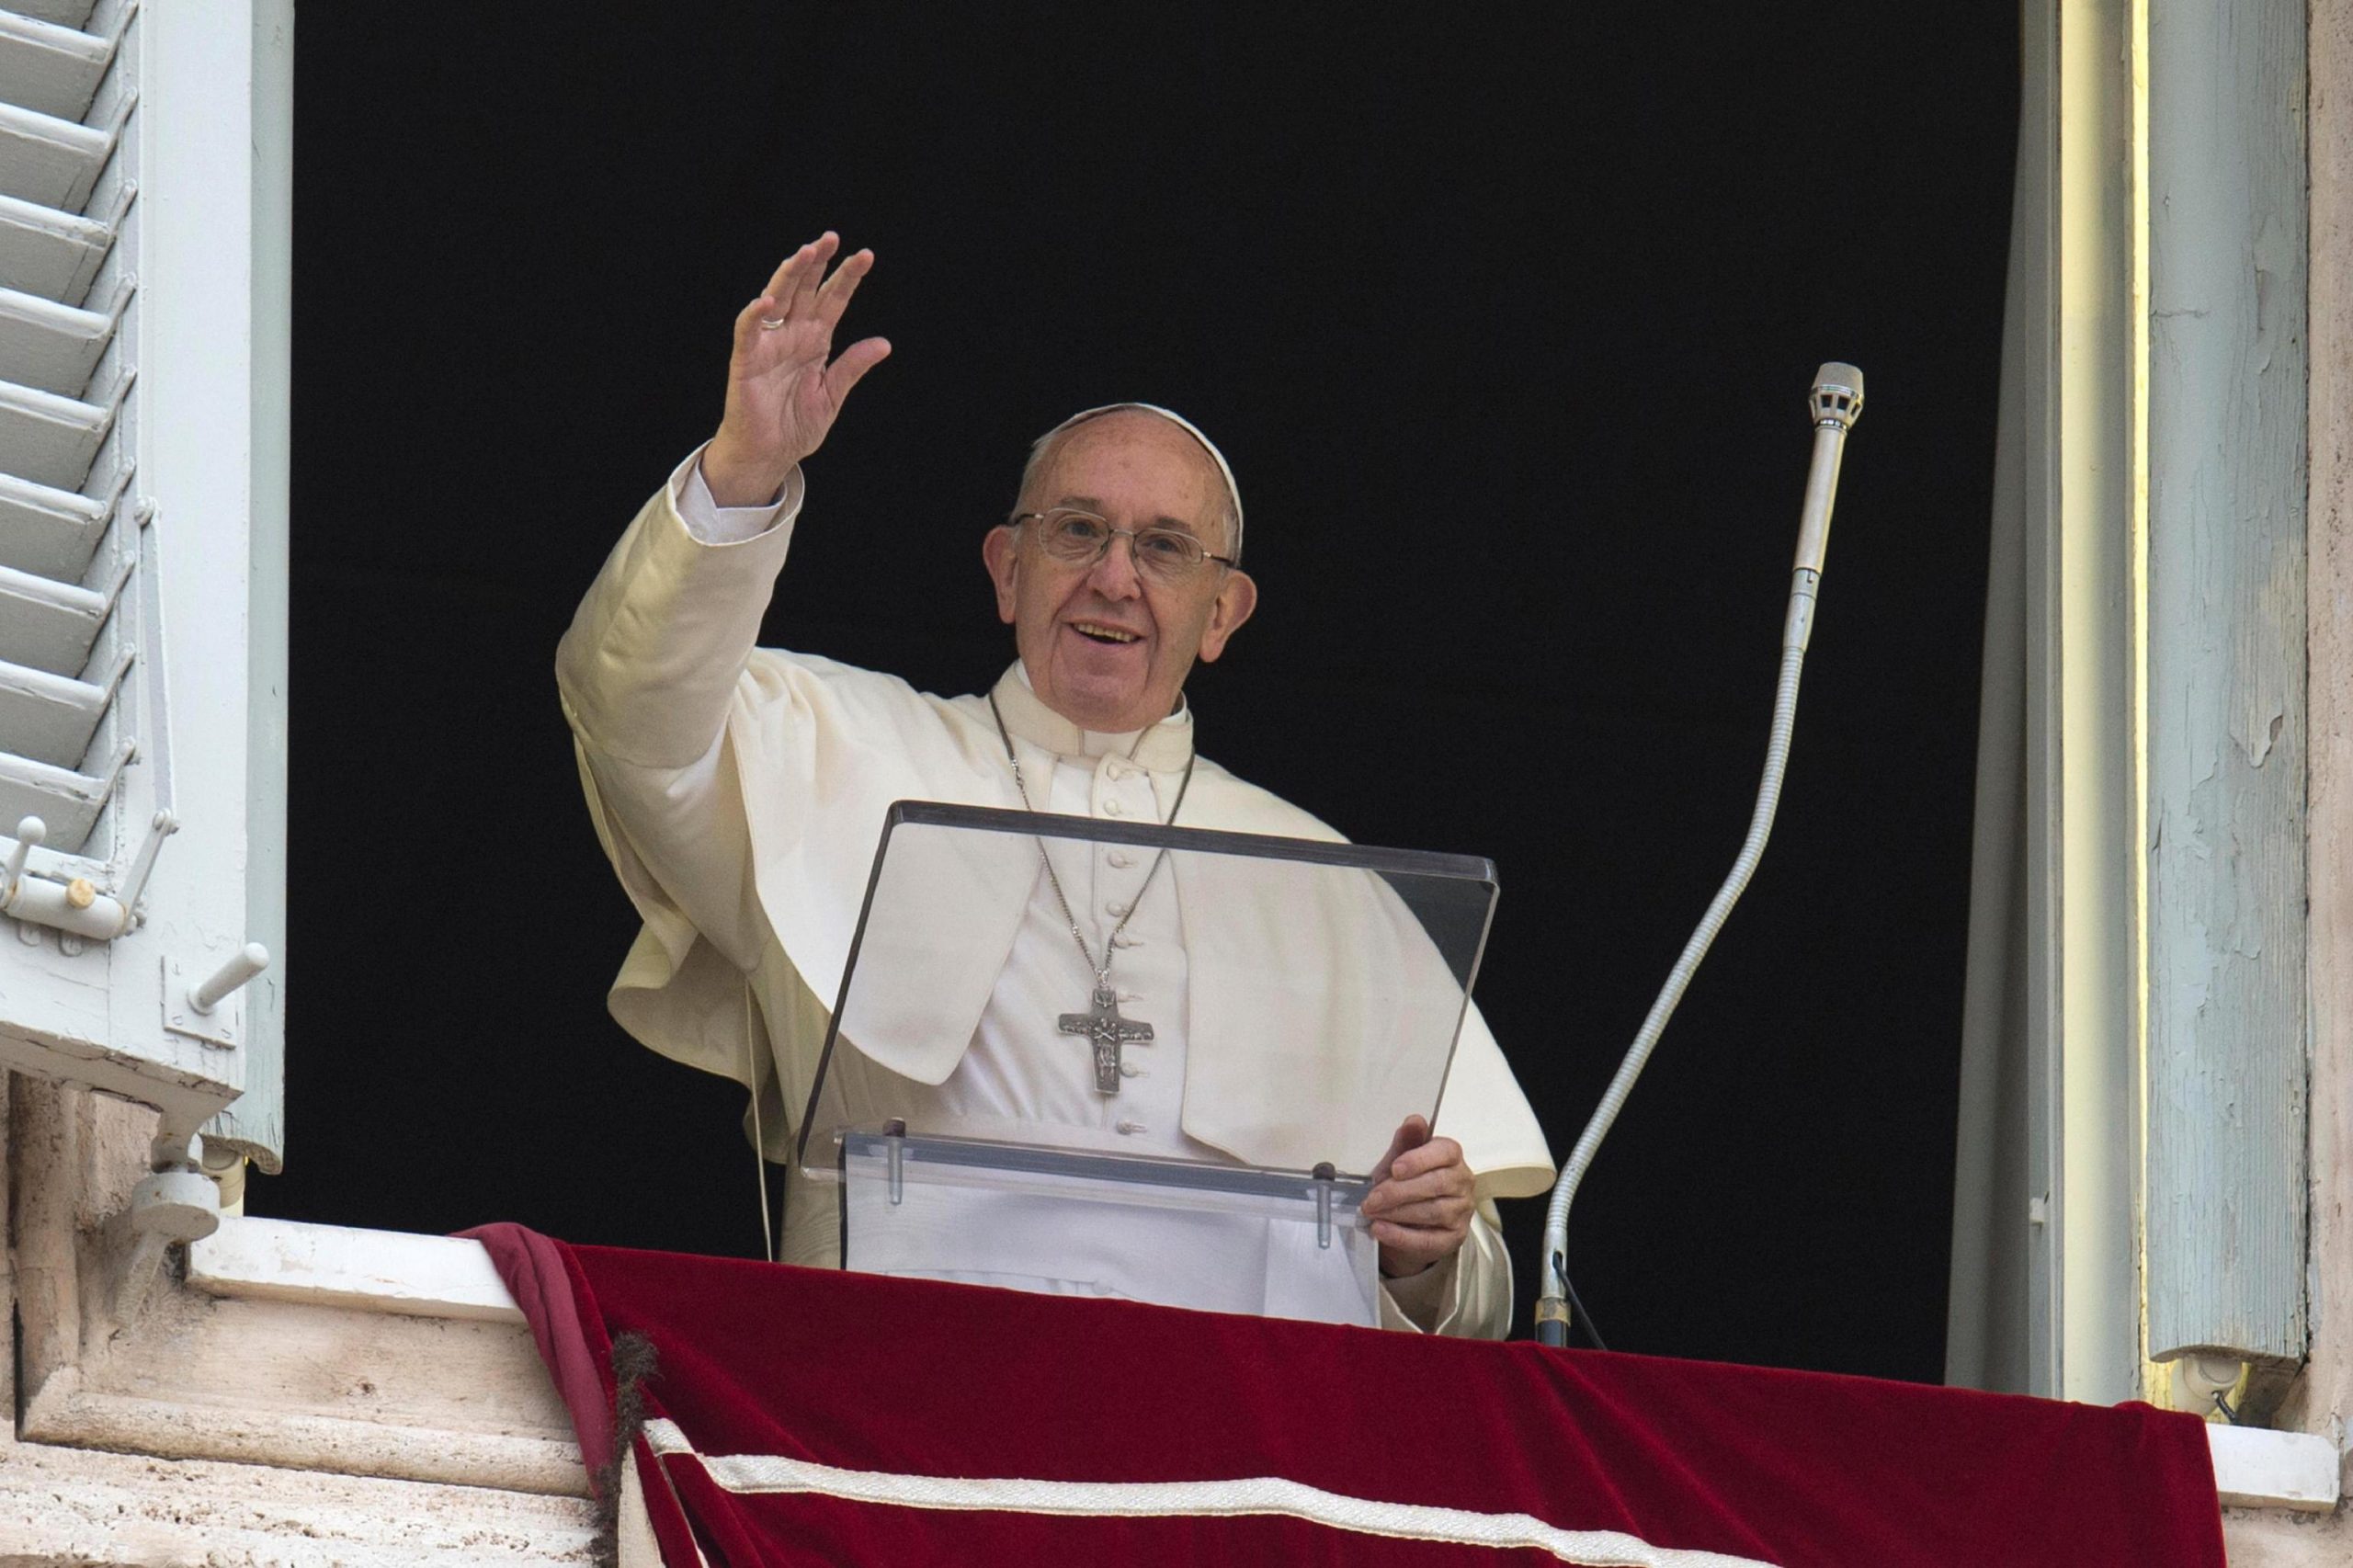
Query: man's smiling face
{"type": "Point", "coordinates": [1105, 646]}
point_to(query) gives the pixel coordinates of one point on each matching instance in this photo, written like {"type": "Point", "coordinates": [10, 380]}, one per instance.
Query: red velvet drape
{"type": "Point", "coordinates": [817, 1417]}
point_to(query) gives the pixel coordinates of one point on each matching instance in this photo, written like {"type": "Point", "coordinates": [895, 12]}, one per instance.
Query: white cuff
{"type": "Point", "coordinates": [711, 523]}
{"type": "Point", "coordinates": [1424, 1297]}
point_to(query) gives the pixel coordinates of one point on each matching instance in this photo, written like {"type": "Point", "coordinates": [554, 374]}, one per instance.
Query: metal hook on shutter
{"type": "Point", "coordinates": [73, 908]}
{"type": "Point", "coordinates": [134, 886]}
{"type": "Point", "coordinates": [199, 1011]}
{"type": "Point", "coordinates": [29, 832]}
{"type": "Point", "coordinates": [77, 908]}
{"type": "Point", "coordinates": [248, 961]}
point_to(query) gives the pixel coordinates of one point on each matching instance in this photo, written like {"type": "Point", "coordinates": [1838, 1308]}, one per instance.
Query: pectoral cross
{"type": "Point", "coordinates": [1110, 1032]}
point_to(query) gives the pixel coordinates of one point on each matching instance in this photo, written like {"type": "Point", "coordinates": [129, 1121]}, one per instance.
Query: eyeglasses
{"type": "Point", "coordinates": [1081, 538]}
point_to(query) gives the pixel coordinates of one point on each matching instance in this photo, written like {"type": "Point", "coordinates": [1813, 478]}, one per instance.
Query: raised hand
{"type": "Point", "coordinates": [782, 395]}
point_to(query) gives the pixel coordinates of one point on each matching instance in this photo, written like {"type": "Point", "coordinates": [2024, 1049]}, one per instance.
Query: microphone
{"type": "Point", "coordinates": [1836, 402]}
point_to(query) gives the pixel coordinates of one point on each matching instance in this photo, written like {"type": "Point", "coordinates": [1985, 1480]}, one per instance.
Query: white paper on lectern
{"type": "Point", "coordinates": [1128, 1240]}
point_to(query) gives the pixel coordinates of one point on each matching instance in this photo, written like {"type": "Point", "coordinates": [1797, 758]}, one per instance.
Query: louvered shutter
{"type": "Point", "coordinates": [144, 207]}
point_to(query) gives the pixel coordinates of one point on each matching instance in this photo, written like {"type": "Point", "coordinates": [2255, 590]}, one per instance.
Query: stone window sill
{"type": "Point", "coordinates": [440, 1276]}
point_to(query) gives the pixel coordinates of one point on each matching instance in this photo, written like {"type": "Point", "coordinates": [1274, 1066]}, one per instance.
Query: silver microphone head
{"type": "Point", "coordinates": [1837, 397]}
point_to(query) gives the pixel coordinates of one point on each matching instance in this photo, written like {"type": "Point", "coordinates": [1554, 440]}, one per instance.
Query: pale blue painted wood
{"type": "Point", "coordinates": [2227, 1076]}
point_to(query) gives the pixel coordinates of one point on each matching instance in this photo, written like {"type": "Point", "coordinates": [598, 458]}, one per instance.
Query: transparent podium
{"type": "Point", "coordinates": [1076, 1055]}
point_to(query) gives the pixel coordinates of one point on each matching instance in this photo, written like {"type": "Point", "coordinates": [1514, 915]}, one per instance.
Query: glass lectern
{"type": "Point", "coordinates": [1077, 1055]}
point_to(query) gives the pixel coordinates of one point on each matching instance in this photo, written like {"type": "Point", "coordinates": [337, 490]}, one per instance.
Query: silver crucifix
{"type": "Point", "coordinates": [1110, 1032]}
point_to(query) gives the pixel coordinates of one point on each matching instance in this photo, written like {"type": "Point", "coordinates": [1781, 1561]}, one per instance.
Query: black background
{"type": "Point", "coordinates": [1505, 318]}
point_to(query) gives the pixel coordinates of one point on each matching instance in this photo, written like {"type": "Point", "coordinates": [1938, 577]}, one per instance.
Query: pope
{"type": "Point", "coordinates": [726, 780]}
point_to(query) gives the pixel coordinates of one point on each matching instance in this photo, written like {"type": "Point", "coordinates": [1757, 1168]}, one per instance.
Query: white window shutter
{"type": "Point", "coordinates": [144, 207]}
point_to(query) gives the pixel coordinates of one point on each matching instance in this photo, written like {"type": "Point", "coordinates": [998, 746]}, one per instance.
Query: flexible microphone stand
{"type": "Point", "coordinates": [1836, 402]}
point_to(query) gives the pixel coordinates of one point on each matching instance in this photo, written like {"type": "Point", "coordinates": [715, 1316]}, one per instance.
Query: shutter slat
{"type": "Point", "coordinates": [49, 439]}
{"type": "Point", "coordinates": [66, 800]}
{"type": "Point", "coordinates": [49, 346]}
{"type": "Point", "coordinates": [49, 68]}
{"type": "Point", "coordinates": [72, 13]}
{"type": "Point", "coordinates": [50, 718]}
{"type": "Point", "coordinates": [52, 626]}
{"type": "Point", "coordinates": [50, 533]}
{"type": "Point", "coordinates": [49, 253]}
{"type": "Point", "coordinates": [53, 162]}
{"type": "Point", "coordinates": [51, 614]}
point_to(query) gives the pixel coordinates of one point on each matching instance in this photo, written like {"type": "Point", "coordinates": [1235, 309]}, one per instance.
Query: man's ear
{"type": "Point", "coordinates": [1236, 598]}
{"type": "Point", "coordinates": [997, 552]}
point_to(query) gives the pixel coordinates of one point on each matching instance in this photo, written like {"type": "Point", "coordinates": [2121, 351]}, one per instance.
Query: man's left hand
{"type": "Point", "coordinates": [1421, 1201]}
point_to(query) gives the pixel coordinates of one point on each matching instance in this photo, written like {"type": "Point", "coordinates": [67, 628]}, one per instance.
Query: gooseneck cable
{"type": "Point", "coordinates": [1836, 399]}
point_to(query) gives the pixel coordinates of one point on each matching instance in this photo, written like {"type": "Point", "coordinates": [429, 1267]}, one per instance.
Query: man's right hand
{"type": "Point", "coordinates": [782, 396]}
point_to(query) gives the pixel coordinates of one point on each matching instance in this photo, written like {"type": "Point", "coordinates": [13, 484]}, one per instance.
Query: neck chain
{"type": "Point", "coordinates": [1103, 1025]}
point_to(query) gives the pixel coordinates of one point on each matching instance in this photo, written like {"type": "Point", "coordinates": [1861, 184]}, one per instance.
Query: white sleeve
{"type": "Point", "coordinates": [647, 673]}
{"type": "Point", "coordinates": [711, 523]}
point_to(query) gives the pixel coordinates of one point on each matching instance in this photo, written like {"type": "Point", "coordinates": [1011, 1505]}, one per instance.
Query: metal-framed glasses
{"type": "Point", "coordinates": [1081, 538]}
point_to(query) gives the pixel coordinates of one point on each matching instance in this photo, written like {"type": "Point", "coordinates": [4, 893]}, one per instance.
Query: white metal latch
{"type": "Point", "coordinates": [198, 1011]}
{"type": "Point", "coordinates": [77, 909]}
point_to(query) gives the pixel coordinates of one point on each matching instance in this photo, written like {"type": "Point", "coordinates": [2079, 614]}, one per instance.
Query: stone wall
{"type": "Point", "coordinates": [237, 1433]}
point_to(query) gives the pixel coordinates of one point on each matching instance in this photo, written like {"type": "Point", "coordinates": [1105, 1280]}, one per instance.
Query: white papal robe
{"type": "Point", "coordinates": [739, 793]}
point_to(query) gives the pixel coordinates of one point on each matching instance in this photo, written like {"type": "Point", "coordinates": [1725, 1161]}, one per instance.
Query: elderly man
{"type": "Point", "coordinates": [738, 791]}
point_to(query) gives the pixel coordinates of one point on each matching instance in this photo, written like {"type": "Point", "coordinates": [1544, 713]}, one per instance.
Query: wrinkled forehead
{"type": "Point", "coordinates": [1047, 444]}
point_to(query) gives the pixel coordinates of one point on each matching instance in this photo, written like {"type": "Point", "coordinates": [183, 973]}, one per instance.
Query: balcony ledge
{"type": "Point", "coordinates": [442, 1277]}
